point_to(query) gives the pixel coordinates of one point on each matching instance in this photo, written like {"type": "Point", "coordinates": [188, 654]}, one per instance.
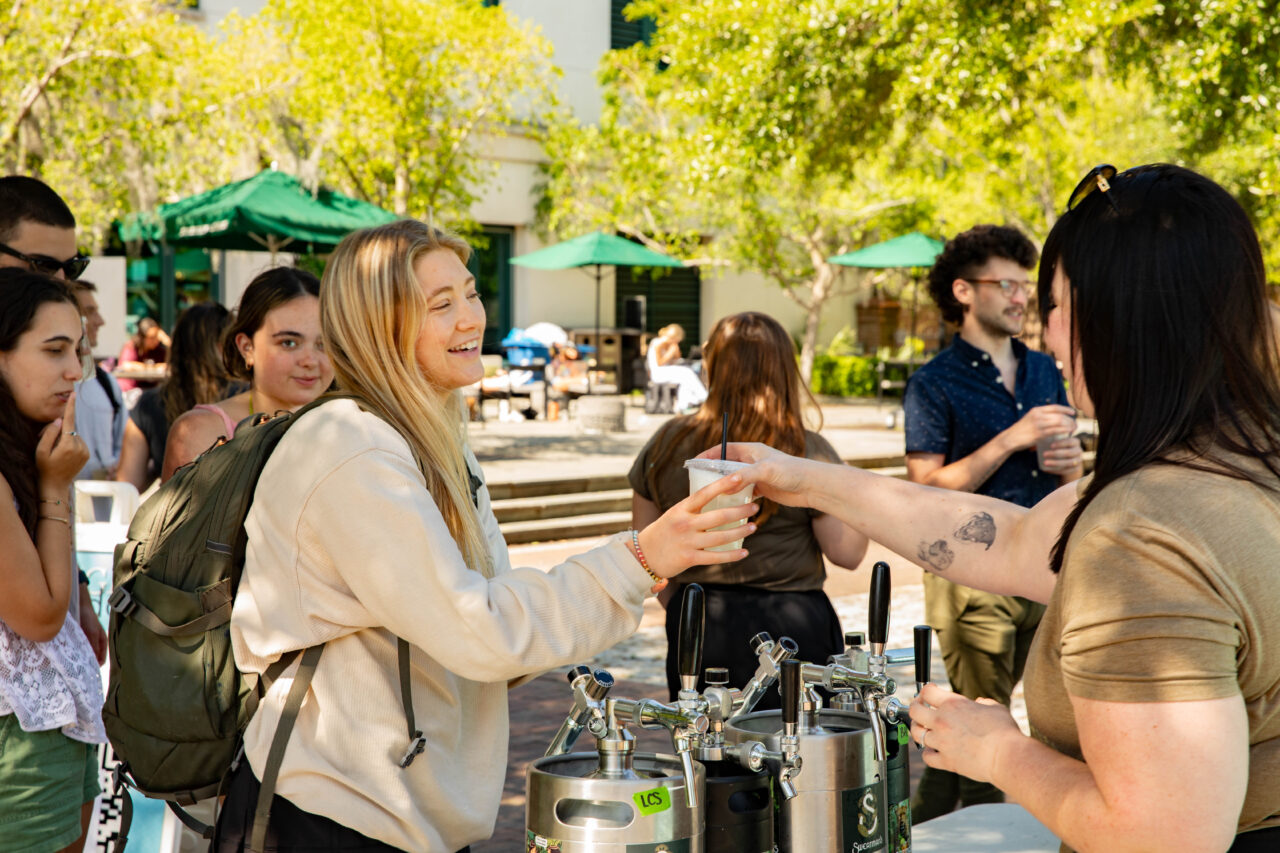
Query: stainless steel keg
{"type": "Point", "coordinates": [839, 803]}
{"type": "Point", "coordinates": [572, 808]}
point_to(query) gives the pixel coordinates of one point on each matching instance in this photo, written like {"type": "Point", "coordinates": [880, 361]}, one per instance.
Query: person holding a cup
{"type": "Point", "coordinates": [1151, 684]}
{"type": "Point", "coordinates": [986, 415]}
{"type": "Point", "coordinates": [749, 362]}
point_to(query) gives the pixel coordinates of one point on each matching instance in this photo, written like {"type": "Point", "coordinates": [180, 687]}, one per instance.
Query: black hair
{"type": "Point", "coordinates": [965, 253]}
{"type": "Point", "coordinates": [24, 199]}
{"type": "Point", "coordinates": [196, 374]}
{"type": "Point", "coordinates": [1171, 326]}
{"type": "Point", "coordinates": [268, 290]}
{"type": "Point", "coordinates": [22, 292]}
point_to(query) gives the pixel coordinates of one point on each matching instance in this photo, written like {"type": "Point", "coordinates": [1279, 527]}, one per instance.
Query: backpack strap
{"type": "Point", "coordinates": [279, 742]}
{"type": "Point", "coordinates": [417, 742]}
{"type": "Point", "coordinates": [101, 376]}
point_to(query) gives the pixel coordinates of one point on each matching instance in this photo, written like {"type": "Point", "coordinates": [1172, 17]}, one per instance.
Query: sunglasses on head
{"type": "Point", "coordinates": [72, 267]}
{"type": "Point", "coordinates": [1098, 178]}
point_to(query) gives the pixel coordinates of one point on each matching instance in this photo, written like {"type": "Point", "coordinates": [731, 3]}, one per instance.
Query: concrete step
{"type": "Point", "coordinates": [562, 486]}
{"type": "Point", "coordinates": [576, 527]}
{"type": "Point", "coordinates": [561, 506]}
{"type": "Point", "coordinates": [501, 491]}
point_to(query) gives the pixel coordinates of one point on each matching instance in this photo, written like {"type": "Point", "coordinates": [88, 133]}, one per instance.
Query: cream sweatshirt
{"type": "Point", "coordinates": [346, 546]}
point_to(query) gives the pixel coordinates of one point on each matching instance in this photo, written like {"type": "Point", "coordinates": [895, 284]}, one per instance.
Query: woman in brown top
{"type": "Point", "coordinates": [750, 365]}
{"type": "Point", "coordinates": [1151, 688]}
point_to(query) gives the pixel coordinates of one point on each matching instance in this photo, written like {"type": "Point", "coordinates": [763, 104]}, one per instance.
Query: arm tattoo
{"type": "Point", "coordinates": [937, 554]}
{"type": "Point", "coordinates": [981, 527]}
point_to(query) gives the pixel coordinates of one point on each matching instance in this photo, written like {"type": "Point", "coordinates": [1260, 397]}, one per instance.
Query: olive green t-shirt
{"type": "Point", "coordinates": [1170, 591]}
{"type": "Point", "coordinates": [784, 553]}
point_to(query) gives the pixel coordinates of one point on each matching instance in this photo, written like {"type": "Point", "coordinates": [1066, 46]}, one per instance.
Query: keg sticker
{"type": "Point", "coordinates": [682, 845]}
{"type": "Point", "coordinates": [535, 843]}
{"type": "Point", "coordinates": [862, 822]}
{"type": "Point", "coordinates": [653, 801]}
{"type": "Point", "coordinates": [904, 735]}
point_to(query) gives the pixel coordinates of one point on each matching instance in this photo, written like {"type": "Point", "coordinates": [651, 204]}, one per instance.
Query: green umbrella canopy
{"type": "Point", "coordinates": [909, 250]}
{"type": "Point", "coordinates": [269, 211]}
{"type": "Point", "coordinates": [595, 249]}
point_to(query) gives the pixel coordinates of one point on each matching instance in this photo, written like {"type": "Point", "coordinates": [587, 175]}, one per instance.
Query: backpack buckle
{"type": "Point", "coordinates": [415, 749]}
{"type": "Point", "coordinates": [121, 601]}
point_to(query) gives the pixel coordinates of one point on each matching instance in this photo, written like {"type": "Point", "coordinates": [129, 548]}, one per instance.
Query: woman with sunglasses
{"type": "Point", "coordinates": [1151, 686]}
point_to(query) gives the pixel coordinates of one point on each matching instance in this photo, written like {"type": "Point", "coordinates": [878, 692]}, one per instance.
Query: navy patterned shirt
{"type": "Point", "coordinates": [957, 403]}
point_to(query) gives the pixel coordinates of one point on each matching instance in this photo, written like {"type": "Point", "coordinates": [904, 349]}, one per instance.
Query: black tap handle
{"type": "Point", "coordinates": [924, 648]}
{"type": "Point", "coordinates": [878, 627]}
{"type": "Point", "coordinates": [790, 691]}
{"type": "Point", "coordinates": [692, 624]}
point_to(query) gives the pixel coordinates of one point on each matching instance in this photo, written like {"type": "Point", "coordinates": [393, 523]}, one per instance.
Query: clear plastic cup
{"type": "Point", "coordinates": [704, 472]}
{"type": "Point", "coordinates": [1044, 444]}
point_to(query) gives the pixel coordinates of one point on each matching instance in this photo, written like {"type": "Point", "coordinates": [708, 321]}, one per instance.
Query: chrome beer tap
{"type": "Point", "coordinates": [589, 691]}
{"type": "Point", "coordinates": [720, 702]}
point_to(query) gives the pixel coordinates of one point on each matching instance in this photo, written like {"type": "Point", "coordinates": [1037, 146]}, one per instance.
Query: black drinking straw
{"type": "Point", "coordinates": [724, 436]}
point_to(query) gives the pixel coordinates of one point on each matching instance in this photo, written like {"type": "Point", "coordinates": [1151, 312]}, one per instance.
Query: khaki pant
{"type": "Point", "coordinates": [984, 640]}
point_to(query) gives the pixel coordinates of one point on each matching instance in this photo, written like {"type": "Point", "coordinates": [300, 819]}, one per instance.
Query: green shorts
{"type": "Point", "coordinates": [45, 778]}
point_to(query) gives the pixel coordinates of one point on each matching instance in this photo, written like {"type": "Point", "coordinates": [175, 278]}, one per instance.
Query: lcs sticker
{"type": "Point", "coordinates": [653, 801]}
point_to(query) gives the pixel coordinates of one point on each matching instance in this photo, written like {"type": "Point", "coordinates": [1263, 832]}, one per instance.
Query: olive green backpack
{"type": "Point", "coordinates": [176, 706]}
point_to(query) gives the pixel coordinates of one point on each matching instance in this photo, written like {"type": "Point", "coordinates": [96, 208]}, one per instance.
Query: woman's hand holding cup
{"type": "Point", "coordinates": [682, 535]}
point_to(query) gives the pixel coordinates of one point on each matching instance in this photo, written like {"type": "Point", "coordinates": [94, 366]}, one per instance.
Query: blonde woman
{"type": "Point", "coordinates": [354, 544]}
{"type": "Point", "coordinates": [663, 361]}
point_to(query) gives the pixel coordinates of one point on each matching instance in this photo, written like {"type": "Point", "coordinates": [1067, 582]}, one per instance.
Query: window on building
{"type": "Point", "coordinates": [623, 32]}
{"type": "Point", "coordinates": [491, 265]}
{"type": "Point", "coordinates": [674, 296]}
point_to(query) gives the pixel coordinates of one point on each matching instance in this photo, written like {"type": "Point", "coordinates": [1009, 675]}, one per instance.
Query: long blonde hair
{"type": "Point", "coordinates": [371, 311]}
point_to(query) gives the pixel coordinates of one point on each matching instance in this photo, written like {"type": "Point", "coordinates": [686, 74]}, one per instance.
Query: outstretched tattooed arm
{"type": "Point", "coordinates": [971, 539]}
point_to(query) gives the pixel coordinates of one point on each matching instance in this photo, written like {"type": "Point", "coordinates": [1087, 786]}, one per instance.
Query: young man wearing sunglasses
{"type": "Point", "coordinates": [974, 415]}
{"type": "Point", "coordinates": [37, 229]}
{"type": "Point", "coordinates": [38, 232]}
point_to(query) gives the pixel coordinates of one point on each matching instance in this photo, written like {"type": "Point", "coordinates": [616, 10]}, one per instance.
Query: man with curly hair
{"type": "Point", "coordinates": [974, 415]}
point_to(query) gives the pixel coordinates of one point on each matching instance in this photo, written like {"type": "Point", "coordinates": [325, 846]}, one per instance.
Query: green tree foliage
{"type": "Point", "coordinates": [737, 121]}
{"type": "Point", "coordinates": [766, 135]}
{"type": "Point", "coordinates": [118, 104]}
{"type": "Point", "coordinates": [396, 100]}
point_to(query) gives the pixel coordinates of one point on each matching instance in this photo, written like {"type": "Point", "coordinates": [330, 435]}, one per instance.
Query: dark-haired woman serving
{"type": "Point", "coordinates": [1152, 685]}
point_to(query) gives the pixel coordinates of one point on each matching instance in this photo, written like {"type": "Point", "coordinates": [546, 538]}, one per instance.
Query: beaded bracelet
{"type": "Point", "coordinates": [55, 503]}
{"type": "Point", "coordinates": [658, 581]}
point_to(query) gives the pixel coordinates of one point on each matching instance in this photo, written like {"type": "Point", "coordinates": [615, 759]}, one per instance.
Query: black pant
{"type": "Point", "coordinates": [735, 614]}
{"type": "Point", "coordinates": [1259, 841]}
{"type": "Point", "coordinates": [290, 830]}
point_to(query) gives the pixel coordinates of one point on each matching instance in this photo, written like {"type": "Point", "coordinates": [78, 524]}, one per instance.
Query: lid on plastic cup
{"type": "Point", "coordinates": [723, 467]}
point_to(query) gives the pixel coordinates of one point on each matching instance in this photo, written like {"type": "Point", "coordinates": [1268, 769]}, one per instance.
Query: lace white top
{"type": "Point", "coordinates": [53, 685]}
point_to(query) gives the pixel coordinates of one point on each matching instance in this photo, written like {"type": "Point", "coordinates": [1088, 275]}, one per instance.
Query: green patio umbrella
{"type": "Point", "coordinates": [909, 250]}
{"type": "Point", "coordinates": [597, 249]}
{"type": "Point", "coordinates": [270, 211]}
{"type": "Point", "coordinates": [905, 252]}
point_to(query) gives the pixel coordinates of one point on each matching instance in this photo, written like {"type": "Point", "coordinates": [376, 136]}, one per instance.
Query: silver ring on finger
{"type": "Point", "coordinates": [923, 738]}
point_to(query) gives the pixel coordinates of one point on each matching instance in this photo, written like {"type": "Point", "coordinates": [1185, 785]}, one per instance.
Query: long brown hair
{"type": "Point", "coordinates": [196, 372]}
{"type": "Point", "coordinates": [1172, 327]}
{"type": "Point", "coordinates": [749, 367]}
